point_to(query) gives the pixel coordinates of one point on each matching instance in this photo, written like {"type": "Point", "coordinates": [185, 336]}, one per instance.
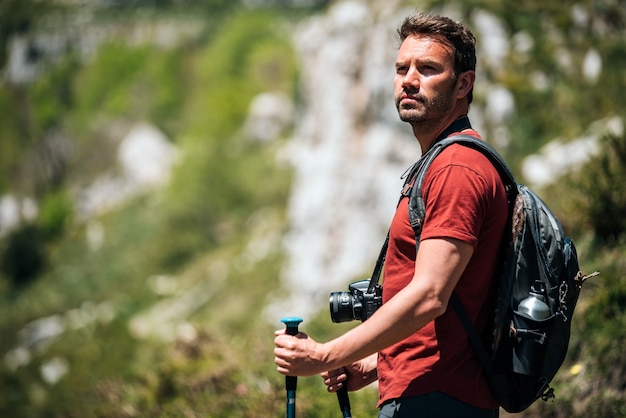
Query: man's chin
{"type": "Point", "coordinates": [410, 116]}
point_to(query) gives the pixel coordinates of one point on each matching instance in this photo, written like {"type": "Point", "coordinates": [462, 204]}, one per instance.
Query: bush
{"type": "Point", "coordinates": [603, 182]}
{"type": "Point", "coordinates": [55, 213]}
{"type": "Point", "coordinates": [25, 255]}
{"type": "Point", "coordinates": [594, 198]}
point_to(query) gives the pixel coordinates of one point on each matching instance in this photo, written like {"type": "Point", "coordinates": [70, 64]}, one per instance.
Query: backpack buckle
{"type": "Point", "coordinates": [548, 393]}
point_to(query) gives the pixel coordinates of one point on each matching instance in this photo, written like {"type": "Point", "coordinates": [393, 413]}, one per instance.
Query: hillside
{"type": "Point", "coordinates": [177, 175]}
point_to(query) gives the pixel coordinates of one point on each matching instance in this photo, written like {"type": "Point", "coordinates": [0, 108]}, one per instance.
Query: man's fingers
{"type": "Point", "coordinates": [334, 379]}
{"type": "Point", "coordinates": [334, 388]}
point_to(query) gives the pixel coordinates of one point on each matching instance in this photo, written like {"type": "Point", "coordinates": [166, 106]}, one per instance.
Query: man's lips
{"type": "Point", "coordinates": [409, 98]}
{"type": "Point", "coordinates": [410, 94]}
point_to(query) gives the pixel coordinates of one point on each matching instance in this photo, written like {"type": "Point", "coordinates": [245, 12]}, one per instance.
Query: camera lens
{"type": "Point", "coordinates": [341, 307]}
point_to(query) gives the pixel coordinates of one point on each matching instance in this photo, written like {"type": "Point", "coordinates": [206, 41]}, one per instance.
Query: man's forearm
{"type": "Point", "coordinates": [393, 322]}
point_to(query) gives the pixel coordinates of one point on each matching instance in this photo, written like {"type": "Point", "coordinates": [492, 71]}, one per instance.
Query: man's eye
{"type": "Point", "coordinates": [428, 69]}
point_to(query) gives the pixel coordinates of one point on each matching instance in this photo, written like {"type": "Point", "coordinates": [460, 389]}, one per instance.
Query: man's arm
{"type": "Point", "coordinates": [438, 267]}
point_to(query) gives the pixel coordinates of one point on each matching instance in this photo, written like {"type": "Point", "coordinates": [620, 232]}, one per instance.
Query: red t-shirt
{"type": "Point", "coordinates": [466, 200]}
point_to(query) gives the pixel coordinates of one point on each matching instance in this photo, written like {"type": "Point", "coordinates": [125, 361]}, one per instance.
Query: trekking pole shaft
{"type": "Point", "coordinates": [291, 382]}
{"type": "Point", "coordinates": [344, 402]}
{"type": "Point", "coordinates": [290, 386]}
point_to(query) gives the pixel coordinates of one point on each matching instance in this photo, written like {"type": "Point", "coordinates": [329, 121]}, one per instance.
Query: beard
{"type": "Point", "coordinates": [425, 110]}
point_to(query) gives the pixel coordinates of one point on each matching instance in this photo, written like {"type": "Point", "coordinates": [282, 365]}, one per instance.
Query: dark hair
{"type": "Point", "coordinates": [455, 34]}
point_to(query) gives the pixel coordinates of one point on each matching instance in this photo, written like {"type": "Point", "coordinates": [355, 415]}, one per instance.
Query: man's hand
{"type": "Point", "coordinates": [354, 376]}
{"type": "Point", "coordinates": [298, 355]}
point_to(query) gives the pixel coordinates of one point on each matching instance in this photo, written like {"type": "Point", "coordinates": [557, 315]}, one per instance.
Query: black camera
{"type": "Point", "coordinates": [358, 303]}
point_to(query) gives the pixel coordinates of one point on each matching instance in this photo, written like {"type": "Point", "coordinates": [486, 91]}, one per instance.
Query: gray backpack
{"type": "Point", "coordinates": [538, 287]}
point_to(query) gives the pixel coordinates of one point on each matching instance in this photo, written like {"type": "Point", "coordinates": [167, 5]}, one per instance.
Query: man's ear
{"type": "Point", "coordinates": [464, 83]}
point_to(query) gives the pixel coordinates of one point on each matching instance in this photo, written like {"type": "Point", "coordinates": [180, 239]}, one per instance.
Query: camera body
{"type": "Point", "coordinates": [357, 303]}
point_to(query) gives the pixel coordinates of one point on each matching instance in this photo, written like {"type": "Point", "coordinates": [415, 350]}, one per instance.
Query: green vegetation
{"type": "Point", "coordinates": [208, 248]}
{"type": "Point", "coordinates": [224, 202]}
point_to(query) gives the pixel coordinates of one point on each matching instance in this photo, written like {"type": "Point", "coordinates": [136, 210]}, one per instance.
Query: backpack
{"type": "Point", "coordinates": [537, 290]}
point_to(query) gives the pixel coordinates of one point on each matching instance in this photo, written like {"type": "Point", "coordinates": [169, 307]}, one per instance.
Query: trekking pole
{"type": "Point", "coordinates": [291, 382]}
{"type": "Point", "coordinates": [344, 402]}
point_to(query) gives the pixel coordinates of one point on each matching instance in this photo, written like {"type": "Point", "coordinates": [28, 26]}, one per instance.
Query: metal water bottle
{"type": "Point", "coordinates": [532, 336]}
{"type": "Point", "coordinates": [535, 306]}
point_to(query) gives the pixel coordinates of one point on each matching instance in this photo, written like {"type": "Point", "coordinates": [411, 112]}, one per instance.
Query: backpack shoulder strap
{"type": "Point", "coordinates": [472, 334]}
{"type": "Point", "coordinates": [416, 202]}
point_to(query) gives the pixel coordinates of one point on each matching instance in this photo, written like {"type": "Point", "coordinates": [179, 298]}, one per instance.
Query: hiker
{"type": "Point", "coordinates": [414, 344]}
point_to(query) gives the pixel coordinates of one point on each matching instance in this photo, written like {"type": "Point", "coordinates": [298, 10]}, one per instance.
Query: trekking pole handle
{"type": "Point", "coordinates": [291, 382]}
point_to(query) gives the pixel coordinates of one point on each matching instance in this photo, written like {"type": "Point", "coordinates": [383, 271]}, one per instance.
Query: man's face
{"type": "Point", "coordinates": [425, 81]}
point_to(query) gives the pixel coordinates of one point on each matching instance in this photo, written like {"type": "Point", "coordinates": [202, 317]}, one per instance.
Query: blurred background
{"type": "Point", "coordinates": [177, 175]}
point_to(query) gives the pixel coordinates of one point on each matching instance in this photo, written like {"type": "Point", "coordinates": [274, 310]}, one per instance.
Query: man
{"type": "Point", "coordinates": [414, 344]}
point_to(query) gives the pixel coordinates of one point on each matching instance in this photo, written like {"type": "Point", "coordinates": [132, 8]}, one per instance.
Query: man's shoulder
{"type": "Point", "coordinates": [461, 155]}
{"type": "Point", "coordinates": [462, 164]}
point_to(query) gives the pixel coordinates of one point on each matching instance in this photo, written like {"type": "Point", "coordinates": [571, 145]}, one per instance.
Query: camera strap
{"type": "Point", "coordinates": [380, 262]}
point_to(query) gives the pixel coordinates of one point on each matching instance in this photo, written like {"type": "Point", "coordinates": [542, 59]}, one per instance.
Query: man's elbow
{"type": "Point", "coordinates": [435, 306]}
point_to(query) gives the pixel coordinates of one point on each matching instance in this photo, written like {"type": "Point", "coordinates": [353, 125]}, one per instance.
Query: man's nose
{"type": "Point", "coordinates": [411, 79]}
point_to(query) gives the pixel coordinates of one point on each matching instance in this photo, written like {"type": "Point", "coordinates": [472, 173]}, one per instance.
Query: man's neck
{"type": "Point", "coordinates": [427, 134]}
